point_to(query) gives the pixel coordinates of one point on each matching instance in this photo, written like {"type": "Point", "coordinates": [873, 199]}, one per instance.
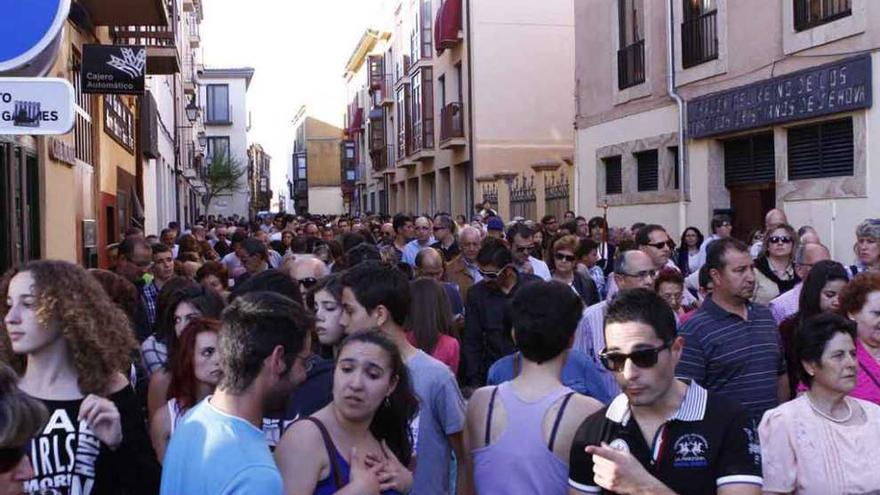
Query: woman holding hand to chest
{"type": "Point", "coordinates": [71, 345]}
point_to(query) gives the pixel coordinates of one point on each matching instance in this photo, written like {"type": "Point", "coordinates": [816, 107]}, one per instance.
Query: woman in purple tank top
{"type": "Point", "coordinates": [520, 432]}
{"type": "Point", "coordinates": [359, 444]}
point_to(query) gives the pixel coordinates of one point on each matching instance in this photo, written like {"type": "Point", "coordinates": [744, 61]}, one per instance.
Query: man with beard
{"type": "Point", "coordinates": [218, 448]}
{"type": "Point", "coordinates": [744, 360]}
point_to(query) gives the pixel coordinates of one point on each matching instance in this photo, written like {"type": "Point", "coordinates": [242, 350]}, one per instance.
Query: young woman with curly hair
{"type": "Point", "coordinates": [72, 346]}
{"type": "Point", "coordinates": [195, 373]}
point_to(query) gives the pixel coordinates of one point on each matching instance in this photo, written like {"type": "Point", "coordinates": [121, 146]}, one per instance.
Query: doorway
{"type": "Point", "coordinates": [750, 177]}
{"type": "Point", "coordinates": [749, 204]}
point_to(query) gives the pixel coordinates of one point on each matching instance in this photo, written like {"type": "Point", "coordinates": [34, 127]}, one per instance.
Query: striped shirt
{"type": "Point", "coordinates": [786, 304]}
{"type": "Point", "coordinates": [589, 338]}
{"type": "Point", "coordinates": [741, 359]}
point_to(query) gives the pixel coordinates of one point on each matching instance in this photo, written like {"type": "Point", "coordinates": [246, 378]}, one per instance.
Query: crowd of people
{"type": "Point", "coordinates": [431, 355]}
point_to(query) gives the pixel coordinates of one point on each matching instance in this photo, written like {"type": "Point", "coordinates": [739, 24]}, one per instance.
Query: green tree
{"type": "Point", "coordinates": [223, 176]}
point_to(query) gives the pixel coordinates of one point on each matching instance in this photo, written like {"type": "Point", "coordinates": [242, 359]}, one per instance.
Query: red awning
{"type": "Point", "coordinates": [447, 26]}
{"type": "Point", "coordinates": [357, 121]}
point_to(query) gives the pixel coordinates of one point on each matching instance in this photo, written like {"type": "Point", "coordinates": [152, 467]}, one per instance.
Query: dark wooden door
{"type": "Point", "coordinates": [749, 204]}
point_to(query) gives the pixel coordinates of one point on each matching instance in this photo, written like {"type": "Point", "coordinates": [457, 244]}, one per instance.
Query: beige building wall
{"type": "Point", "coordinates": [751, 48]}
{"type": "Point", "coordinates": [322, 143]}
{"type": "Point", "coordinates": [325, 200]}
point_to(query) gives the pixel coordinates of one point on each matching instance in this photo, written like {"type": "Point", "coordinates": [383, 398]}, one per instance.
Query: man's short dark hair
{"type": "Point", "coordinates": [718, 221]}
{"type": "Point", "coordinates": [400, 220]}
{"type": "Point", "coordinates": [597, 222]}
{"type": "Point", "coordinates": [646, 307]}
{"type": "Point", "coordinates": [494, 252]}
{"type": "Point", "coordinates": [299, 244]}
{"type": "Point", "coordinates": [160, 248]}
{"type": "Point", "coordinates": [546, 219]}
{"type": "Point", "coordinates": [585, 246]}
{"type": "Point", "coordinates": [715, 258]}
{"type": "Point", "coordinates": [253, 326]}
{"type": "Point", "coordinates": [254, 246]}
{"type": "Point", "coordinates": [570, 226]}
{"type": "Point", "coordinates": [238, 237]}
{"type": "Point", "coordinates": [268, 281]}
{"type": "Point", "coordinates": [636, 227]}
{"type": "Point", "coordinates": [545, 316]}
{"type": "Point", "coordinates": [376, 283]}
{"type": "Point", "coordinates": [520, 229]}
{"type": "Point", "coordinates": [128, 245]}
{"type": "Point", "coordinates": [350, 240]}
{"type": "Point", "coordinates": [361, 253]}
{"type": "Point", "coordinates": [643, 236]}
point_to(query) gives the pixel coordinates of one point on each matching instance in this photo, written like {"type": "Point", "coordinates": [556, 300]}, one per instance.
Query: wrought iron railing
{"type": "Point", "coordinates": [812, 13]}
{"type": "Point", "coordinates": [523, 200]}
{"type": "Point", "coordinates": [699, 39]}
{"type": "Point", "coordinates": [451, 121]}
{"type": "Point", "coordinates": [557, 195]}
{"type": "Point", "coordinates": [631, 65]}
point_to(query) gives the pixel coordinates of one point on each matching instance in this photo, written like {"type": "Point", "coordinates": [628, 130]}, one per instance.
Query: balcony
{"type": "Point", "coordinates": [423, 141]}
{"type": "Point", "coordinates": [195, 39]}
{"type": "Point", "coordinates": [401, 71]}
{"type": "Point", "coordinates": [631, 65]}
{"type": "Point", "coordinates": [699, 39]}
{"type": "Point", "coordinates": [447, 27]}
{"type": "Point", "coordinates": [382, 158]}
{"type": "Point", "coordinates": [162, 56]}
{"type": "Point", "coordinates": [382, 90]}
{"type": "Point", "coordinates": [452, 126]}
{"type": "Point", "coordinates": [128, 13]}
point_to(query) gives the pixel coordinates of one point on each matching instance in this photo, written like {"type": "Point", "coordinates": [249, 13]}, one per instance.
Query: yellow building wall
{"type": "Point", "coordinates": [322, 142]}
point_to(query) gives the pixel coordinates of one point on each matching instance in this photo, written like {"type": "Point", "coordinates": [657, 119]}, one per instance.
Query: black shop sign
{"type": "Point", "coordinates": [113, 69]}
{"type": "Point", "coordinates": [840, 86]}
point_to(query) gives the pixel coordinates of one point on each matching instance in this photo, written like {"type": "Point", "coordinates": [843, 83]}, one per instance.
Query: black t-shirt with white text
{"type": "Point", "coordinates": [68, 458]}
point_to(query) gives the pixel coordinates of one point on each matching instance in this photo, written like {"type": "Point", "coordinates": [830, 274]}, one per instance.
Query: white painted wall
{"type": "Point", "coordinates": [237, 132]}
{"type": "Point", "coordinates": [325, 200]}
{"type": "Point", "coordinates": [159, 200]}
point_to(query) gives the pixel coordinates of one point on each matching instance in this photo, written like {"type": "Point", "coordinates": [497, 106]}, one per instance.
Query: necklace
{"type": "Point", "coordinates": [849, 411]}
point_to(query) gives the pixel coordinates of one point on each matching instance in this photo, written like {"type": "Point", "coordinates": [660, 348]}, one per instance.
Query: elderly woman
{"type": "Point", "coordinates": [867, 247]}
{"type": "Point", "coordinates": [774, 268]}
{"type": "Point", "coordinates": [860, 302]}
{"type": "Point", "coordinates": [563, 264]}
{"type": "Point", "coordinates": [824, 441]}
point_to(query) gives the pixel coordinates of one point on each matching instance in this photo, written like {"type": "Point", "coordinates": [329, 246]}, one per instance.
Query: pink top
{"type": "Point", "coordinates": [446, 351]}
{"type": "Point", "coordinates": [806, 454]}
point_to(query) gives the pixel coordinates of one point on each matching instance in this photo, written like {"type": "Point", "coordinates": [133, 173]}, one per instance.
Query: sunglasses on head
{"type": "Point", "coordinates": [10, 457]}
{"type": "Point", "coordinates": [308, 282]}
{"type": "Point", "coordinates": [780, 239]}
{"type": "Point", "coordinates": [565, 257]}
{"type": "Point", "coordinates": [643, 358]}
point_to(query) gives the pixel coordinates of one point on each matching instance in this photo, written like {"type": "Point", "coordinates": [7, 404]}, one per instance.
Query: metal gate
{"type": "Point", "coordinates": [522, 198]}
{"type": "Point", "coordinates": [556, 195]}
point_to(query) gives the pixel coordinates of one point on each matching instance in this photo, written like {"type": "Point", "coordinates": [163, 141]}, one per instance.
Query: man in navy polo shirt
{"type": "Point", "coordinates": [662, 435]}
{"type": "Point", "coordinates": [731, 345]}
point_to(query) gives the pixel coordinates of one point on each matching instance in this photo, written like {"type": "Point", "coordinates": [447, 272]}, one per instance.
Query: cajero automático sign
{"type": "Point", "coordinates": [36, 105]}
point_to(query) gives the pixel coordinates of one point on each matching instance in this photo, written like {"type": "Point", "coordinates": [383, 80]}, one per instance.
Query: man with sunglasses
{"type": "Point", "coordinates": [424, 238]}
{"type": "Point", "coordinates": [306, 271]}
{"type": "Point", "coordinates": [487, 336]}
{"type": "Point", "coordinates": [444, 232]}
{"type": "Point", "coordinates": [633, 269]}
{"type": "Point", "coordinates": [522, 242]}
{"type": "Point", "coordinates": [732, 345]}
{"type": "Point", "coordinates": [662, 434]}
{"type": "Point", "coordinates": [805, 256]}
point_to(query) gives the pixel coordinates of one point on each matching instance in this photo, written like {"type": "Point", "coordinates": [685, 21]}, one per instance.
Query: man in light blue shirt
{"type": "Point", "coordinates": [424, 238]}
{"type": "Point", "coordinates": [218, 448]}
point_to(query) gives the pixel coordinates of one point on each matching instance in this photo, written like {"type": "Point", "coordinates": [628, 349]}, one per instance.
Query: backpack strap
{"type": "Point", "coordinates": [331, 450]}
{"type": "Point", "coordinates": [489, 416]}
{"type": "Point", "coordinates": [558, 420]}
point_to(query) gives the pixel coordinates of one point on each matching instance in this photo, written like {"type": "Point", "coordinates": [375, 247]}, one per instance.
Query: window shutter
{"type": "Point", "coordinates": [613, 175]}
{"type": "Point", "coordinates": [749, 160]}
{"type": "Point", "coordinates": [821, 150]}
{"type": "Point", "coordinates": [673, 150]}
{"type": "Point", "coordinates": [647, 164]}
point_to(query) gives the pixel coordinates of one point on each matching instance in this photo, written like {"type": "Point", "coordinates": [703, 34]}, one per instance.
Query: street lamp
{"type": "Point", "coordinates": [203, 139]}
{"type": "Point", "coordinates": [192, 110]}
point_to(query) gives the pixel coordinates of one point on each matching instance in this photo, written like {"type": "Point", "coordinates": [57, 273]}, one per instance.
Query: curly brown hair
{"type": "Point", "coordinates": [96, 329]}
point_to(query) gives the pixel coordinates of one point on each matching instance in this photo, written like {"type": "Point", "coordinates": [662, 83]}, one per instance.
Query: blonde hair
{"type": "Point", "coordinates": [97, 332]}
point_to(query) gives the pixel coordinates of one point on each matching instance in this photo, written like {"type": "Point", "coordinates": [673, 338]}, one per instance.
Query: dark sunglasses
{"type": "Point", "coordinates": [308, 282]}
{"type": "Point", "coordinates": [661, 245]}
{"type": "Point", "coordinates": [565, 257]}
{"type": "Point", "coordinates": [523, 249]}
{"type": "Point", "coordinates": [438, 228]}
{"type": "Point", "coordinates": [643, 358]}
{"type": "Point", "coordinates": [777, 239]}
{"type": "Point", "coordinates": [491, 275]}
{"type": "Point", "coordinates": [10, 457]}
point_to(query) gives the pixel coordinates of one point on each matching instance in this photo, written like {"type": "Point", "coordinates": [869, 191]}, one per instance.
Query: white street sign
{"type": "Point", "coordinates": [36, 105]}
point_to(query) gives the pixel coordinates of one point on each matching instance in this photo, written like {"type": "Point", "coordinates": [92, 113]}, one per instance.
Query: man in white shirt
{"type": "Point", "coordinates": [721, 228]}
{"type": "Point", "coordinates": [522, 242]}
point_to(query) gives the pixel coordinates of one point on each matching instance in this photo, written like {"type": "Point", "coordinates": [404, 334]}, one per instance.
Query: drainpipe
{"type": "Point", "coordinates": [470, 111]}
{"type": "Point", "coordinates": [683, 180]}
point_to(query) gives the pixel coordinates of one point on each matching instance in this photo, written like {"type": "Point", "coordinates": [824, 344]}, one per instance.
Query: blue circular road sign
{"type": "Point", "coordinates": [29, 29]}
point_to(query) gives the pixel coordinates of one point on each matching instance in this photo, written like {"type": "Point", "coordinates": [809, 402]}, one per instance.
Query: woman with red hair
{"type": "Point", "coordinates": [194, 374]}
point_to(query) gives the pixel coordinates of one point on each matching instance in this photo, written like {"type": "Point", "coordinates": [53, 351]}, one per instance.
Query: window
{"type": "Point", "coordinates": [217, 104]}
{"type": "Point", "coordinates": [422, 109]}
{"type": "Point", "coordinates": [427, 23]}
{"type": "Point", "coordinates": [821, 150]}
{"type": "Point", "coordinates": [217, 146]}
{"type": "Point", "coordinates": [119, 121]}
{"type": "Point", "coordinates": [459, 81]}
{"type": "Point", "coordinates": [673, 158]}
{"type": "Point", "coordinates": [302, 165]}
{"type": "Point", "coordinates": [647, 165]}
{"type": "Point", "coordinates": [20, 207]}
{"type": "Point", "coordinates": [404, 121]}
{"type": "Point", "coordinates": [631, 50]}
{"type": "Point", "coordinates": [699, 32]}
{"type": "Point", "coordinates": [83, 126]}
{"type": "Point", "coordinates": [441, 84]}
{"type": "Point", "coordinates": [749, 160]}
{"type": "Point", "coordinates": [812, 13]}
{"type": "Point", "coordinates": [613, 175]}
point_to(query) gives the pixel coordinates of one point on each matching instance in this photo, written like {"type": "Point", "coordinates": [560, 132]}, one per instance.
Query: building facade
{"type": "Point", "coordinates": [227, 122]}
{"type": "Point", "coordinates": [316, 180]}
{"type": "Point", "coordinates": [453, 102]}
{"type": "Point", "coordinates": [776, 111]}
{"type": "Point", "coordinates": [66, 197]}
{"type": "Point", "coordinates": [259, 169]}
